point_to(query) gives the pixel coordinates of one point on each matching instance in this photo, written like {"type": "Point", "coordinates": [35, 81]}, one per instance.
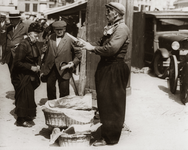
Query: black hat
{"type": "Point", "coordinates": [34, 15]}
{"type": "Point", "coordinates": [35, 27]}
{"type": "Point", "coordinates": [14, 14]}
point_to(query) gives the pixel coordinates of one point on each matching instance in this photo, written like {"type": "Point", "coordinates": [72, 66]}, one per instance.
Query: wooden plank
{"type": "Point", "coordinates": [138, 40]}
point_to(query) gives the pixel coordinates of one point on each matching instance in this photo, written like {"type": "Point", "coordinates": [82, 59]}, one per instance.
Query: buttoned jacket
{"type": "Point", "coordinates": [63, 53]}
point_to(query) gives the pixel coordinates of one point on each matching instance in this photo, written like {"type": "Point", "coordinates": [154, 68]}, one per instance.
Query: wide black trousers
{"type": "Point", "coordinates": [111, 81]}
{"type": "Point", "coordinates": [24, 96]}
{"type": "Point", "coordinates": [51, 84]}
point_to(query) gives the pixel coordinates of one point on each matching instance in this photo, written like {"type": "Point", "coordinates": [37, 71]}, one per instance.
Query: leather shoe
{"type": "Point", "coordinates": [24, 124]}
{"type": "Point", "coordinates": [99, 143]}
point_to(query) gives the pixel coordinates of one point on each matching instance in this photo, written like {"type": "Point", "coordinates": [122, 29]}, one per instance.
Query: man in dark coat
{"type": "Point", "coordinates": [112, 74]}
{"type": "Point", "coordinates": [14, 34]}
{"type": "Point", "coordinates": [3, 26]}
{"type": "Point", "coordinates": [59, 52]}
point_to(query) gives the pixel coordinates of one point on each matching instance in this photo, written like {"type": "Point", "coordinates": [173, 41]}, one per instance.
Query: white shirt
{"type": "Point", "coordinates": [58, 41]}
{"type": "Point", "coordinates": [2, 23]}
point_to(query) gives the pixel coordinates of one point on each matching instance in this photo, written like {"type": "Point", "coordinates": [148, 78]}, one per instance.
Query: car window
{"type": "Point", "coordinates": [172, 24]}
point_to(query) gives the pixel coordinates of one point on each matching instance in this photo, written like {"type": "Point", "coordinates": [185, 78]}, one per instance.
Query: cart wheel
{"type": "Point", "coordinates": [184, 84]}
{"type": "Point", "coordinates": [173, 73]}
{"type": "Point", "coordinates": [159, 69]}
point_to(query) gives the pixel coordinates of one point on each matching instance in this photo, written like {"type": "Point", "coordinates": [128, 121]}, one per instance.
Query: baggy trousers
{"type": "Point", "coordinates": [111, 80]}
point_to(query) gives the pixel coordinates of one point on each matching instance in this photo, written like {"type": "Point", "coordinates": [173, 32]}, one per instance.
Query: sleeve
{"type": "Point", "coordinates": [77, 55]}
{"type": "Point", "coordinates": [115, 42]}
{"type": "Point", "coordinates": [45, 53]}
{"type": "Point", "coordinates": [20, 55]}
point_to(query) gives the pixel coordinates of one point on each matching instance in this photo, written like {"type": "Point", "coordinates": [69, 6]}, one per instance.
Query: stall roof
{"type": "Point", "coordinates": [167, 14]}
{"type": "Point", "coordinates": [67, 9]}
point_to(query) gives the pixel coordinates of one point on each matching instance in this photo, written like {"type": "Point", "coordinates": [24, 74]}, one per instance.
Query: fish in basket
{"type": "Point", "coordinates": [66, 111]}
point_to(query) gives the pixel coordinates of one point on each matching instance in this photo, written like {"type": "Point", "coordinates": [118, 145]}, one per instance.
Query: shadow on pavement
{"type": "Point", "coordinates": [174, 97]}
{"type": "Point", "coordinates": [13, 114]}
{"type": "Point", "coordinates": [45, 132]}
{"type": "Point", "coordinates": [10, 95]}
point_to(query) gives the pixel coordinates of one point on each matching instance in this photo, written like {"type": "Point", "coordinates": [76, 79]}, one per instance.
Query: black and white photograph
{"type": "Point", "coordinates": [94, 74]}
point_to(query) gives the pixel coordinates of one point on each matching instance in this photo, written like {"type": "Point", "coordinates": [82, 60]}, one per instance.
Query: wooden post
{"type": "Point", "coordinates": [80, 24]}
{"type": "Point", "coordinates": [82, 77]}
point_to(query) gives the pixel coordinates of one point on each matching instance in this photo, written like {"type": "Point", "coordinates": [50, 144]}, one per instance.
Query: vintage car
{"type": "Point", "coordinates": [166, 34]}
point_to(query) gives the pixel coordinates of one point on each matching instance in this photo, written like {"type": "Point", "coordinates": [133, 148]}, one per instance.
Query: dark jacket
{"type": "Point", "coordinates": [115, 43]}
{"type": "Point", "coordinates": [63, 53]}
{"type": "Point", "coordinates": [26, 56]}
{"type": "Point", "coordinates": [14, 38]}
{"type": "Point", "coordinates": [3, 34]}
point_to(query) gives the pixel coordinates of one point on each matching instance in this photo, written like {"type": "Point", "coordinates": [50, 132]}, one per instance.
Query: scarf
{"type": "Point", "coordinates": [109, 29]}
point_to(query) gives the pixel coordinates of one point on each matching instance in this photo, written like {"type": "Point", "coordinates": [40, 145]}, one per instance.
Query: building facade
{"type": "Point", "coordinates": [8, 5]}
{"type": "Point", "coordinates": [34, 6]}
{"type": "Point", "coordinates": [30, 6]}
{"type": "Point", "coordinates": [151, 5]}
{"type": "Point", "coordinates": [181, 3]}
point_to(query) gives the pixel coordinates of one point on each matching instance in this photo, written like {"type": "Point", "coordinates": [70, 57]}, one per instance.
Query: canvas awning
{"type": "Point", "coordinates": [67, 9]}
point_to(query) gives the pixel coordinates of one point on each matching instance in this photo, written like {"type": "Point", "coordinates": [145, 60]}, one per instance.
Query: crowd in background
{"type": "Point", "coordinates": [79, 30]}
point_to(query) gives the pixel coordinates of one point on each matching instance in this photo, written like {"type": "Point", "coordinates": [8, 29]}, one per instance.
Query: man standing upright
{"type": "Point", "coordinates": [59, 51]}
{"type": "Point", "coordinates": [112, 74]}
{"type": "Point", "coordinates": [2, 33]}
{"type": "Point", "coordinates": [14, 34]}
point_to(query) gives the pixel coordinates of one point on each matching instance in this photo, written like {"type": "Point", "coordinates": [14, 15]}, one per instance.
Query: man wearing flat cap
{"type": "Point", "coordinates": [59, 52]}
{"type": "Point", "coordinates": [112, 74]}
{"type": "Point", "coordinates": [14, 34]}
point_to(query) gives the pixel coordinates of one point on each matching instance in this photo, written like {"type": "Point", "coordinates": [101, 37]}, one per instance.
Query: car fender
{"type": "Point", "coordinates": [164, 52]}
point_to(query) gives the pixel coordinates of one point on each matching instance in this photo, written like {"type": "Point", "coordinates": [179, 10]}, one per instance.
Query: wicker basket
{"type": "Point", "coordinates": [74, 140]}
{"type": "Point", "coordinates": [56, 119]}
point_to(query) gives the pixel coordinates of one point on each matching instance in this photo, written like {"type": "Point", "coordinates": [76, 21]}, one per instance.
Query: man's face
{"type": "Point", "coordinates": [2, 19]}
{"type": "Point", "coordinates": [110, 15]}
{"type": "Point", "coordinates": [60, 32]}
{"type": "Point", "coordinates": [33, 36]}
{"type": "Point", "coordinates": [14, 21]}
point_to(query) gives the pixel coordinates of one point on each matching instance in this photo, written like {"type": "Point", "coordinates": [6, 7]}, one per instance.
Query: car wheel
{"type": "Point", "coordinates": [158, 67]}
{"type": "Point", "coordinates": [173, 74]}
{"type": "Point", "coordinates": [184, 84]}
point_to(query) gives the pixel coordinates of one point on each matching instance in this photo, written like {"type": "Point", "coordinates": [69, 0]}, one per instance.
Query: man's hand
{"type": "Point", "coordinates": [3, 31]}
{"type": "Point", "coordinates": [88, 46]}
{"type": "Point", "coordinates": [35, 68]}
{"type": "Point", "coordinates": [71, 64]}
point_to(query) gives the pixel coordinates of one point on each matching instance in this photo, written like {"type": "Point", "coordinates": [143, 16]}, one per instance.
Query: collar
{"type": "Point", "coordinates": [110, 28]}
{"type": "Point", "coordinates": [59, 37]}
{"type": "Point", "coordinates": [30, 42]}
